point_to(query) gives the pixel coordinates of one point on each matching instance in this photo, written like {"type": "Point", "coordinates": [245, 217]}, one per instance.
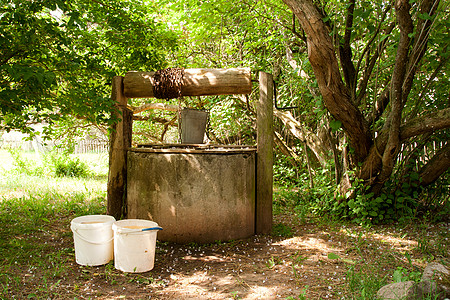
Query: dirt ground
{"type": "Point", "coordinates": [295, 265]}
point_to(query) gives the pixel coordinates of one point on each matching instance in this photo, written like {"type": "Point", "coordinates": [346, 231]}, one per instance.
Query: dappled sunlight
{"type": "Point", "coordinates": [260, 267]}
{"type": "Point", "coordinates": [226, 281]}
{"type": "Point", "coordinates": [12, 194]}
{"type": "Point", "coordinates": [208, 258]}
{"type": "Point", "coordinates": [398, 243]}
{"type": "Point", "coordinates": [309, 242]}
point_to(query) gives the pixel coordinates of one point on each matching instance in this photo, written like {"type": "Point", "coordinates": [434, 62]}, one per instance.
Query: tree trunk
{"type": "Point", "coordinates": [420, 125]}
{"type": "Point", "coordinates": [286, 150]}
{"type": "Point", "coordinates": [397, 95]}
{"type": "Point", "coordinates": [335, 94]}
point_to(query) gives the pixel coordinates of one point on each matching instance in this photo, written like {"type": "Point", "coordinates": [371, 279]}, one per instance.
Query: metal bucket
{"type": "Point", "coordinates": [193, 125]}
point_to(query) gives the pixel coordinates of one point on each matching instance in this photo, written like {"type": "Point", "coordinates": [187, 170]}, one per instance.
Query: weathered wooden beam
{"type": "Point", "coordinates": [120, 141]}
{"type": "Point", "coordinates": [196, 82]}
{"type": "Point", "coordinates": [264, 156]}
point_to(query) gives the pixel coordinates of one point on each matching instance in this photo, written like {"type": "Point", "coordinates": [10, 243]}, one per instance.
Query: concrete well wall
{"type": "Point", "coordinates": [196, 196]}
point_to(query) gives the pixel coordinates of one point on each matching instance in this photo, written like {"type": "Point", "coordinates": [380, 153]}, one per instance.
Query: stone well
{"type": "Point", "coordinates": [197, 193]}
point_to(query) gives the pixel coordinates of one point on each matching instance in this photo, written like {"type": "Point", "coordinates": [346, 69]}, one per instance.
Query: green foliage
{"type": "Point", "coordinates": [401, 275]}
{"type": "Point", "coordinates": [18, 162]}
{"type": "Point", "coordinates": [59, 165]}
{"type": "Point", "coordinates": [320, 199]}
{"type": "Point", "coordinates": [332, 255]}
{"type": "Point", "coordinates": [284, 174]}
{"type": "Point", "coordinates": [273, 261]}
{"type": "Point", "coordinates": [359, 205]}
{"type": "Point", "coordinates": [22, 219]}
{"type": "Point", "coordinates": [230, 122]}
{"type": "Point", "coordinates": [287, 200]}
{"type": "Point", "coordinates": [283, 230]}
{"type": "Point", "coordinates": [69, 166]}
{"type": "Point", "coordinates": [363, 208]}
{"type": "Point", "coordinates": [363, 285]}
{"type": "Point", "coordinates": [23, 165]}
{"type": "Point", "coordinates": [58, 57]}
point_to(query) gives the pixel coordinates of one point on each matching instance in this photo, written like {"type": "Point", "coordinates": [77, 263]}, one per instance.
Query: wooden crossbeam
{"type": "Point", "coordinates": [196, 82]}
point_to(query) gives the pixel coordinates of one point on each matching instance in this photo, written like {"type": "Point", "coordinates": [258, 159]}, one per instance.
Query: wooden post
{"type": "Point", "coordinates": [120, 141]}
{"type": "Point", "coordinates": [264, 160]}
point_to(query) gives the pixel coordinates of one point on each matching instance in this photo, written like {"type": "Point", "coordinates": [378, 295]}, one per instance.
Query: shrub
{"type": "Point", "coordinates": [66, 166]}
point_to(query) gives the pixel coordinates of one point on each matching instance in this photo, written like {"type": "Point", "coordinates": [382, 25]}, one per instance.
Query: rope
{"type": "Point", "coordinates": [167, 83]}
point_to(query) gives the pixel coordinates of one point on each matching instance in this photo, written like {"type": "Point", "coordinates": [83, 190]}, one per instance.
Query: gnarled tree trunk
{"type": "Point", "coordinates": [374, 154]}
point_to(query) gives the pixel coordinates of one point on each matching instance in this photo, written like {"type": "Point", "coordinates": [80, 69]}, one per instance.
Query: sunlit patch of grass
{"type": "Point", "coordinates": [35, 213]}
{"type": "Point", "coordinates": [14, 183]}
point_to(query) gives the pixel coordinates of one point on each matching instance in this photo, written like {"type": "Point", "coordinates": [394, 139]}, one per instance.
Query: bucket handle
{"type": "Point", "coordinates": [140, 230]}
{"type": "Point", "coordinates": [152, 228]}
{"type": "Point", "coordinates": [75, 231]}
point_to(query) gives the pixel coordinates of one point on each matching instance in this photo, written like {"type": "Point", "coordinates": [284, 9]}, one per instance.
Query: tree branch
{"type": "Point", "coordinates": [436, 166]}
{"type": "Point", "coordinates": [6, 58]}
{"type": "Point", "coordinates": [311, 139]}
{"type": "Point", "coordinates": [362, 86]}
{"type": "Point", "coordinates": [286, 150]}
{"type": "Point", "coordinates": [392, 125]}
{"type": "Point", "coordinates": [426, 87]}
{"type": "Point", "coordinates": [431, 122]}
{"type": "Point", "coordinates": [428, 123]}
{"type": "Point", "coordinates": [369, 44]}
{"type": "Point", "coordinates": [335, 94]}
{"type": "Point", "coordinates": [379, 106]}
{"type": "Point", "coordinates": [149, 106]}
{"type": "Point", "coordinates": [420, 45]}
{"type": "Point", "coordinates": [345, 52]}
{"type": "Point", "coordinates": [153, 119]}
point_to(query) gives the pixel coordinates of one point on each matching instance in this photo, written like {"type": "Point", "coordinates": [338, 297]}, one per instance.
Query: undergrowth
{"type": "Point", "coordinates": [34, 202]}
{"type": "Point", "coordinates": [401, 201]}
{"type": "Point", "coordinates": [49, 164]}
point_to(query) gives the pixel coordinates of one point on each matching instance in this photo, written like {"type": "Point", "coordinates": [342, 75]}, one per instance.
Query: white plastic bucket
{"type": "Point", "coordinates": [93, 239]}
{"type": "Point", "coordinates": [134, 245]}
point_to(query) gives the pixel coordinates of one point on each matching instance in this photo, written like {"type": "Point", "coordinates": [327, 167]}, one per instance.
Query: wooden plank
{"type": "Point", "coordinates": [120, 141]}
{"type": "Point", "coordinates": [264, 157]}
{"type": "Point", "coordinates": [196, 146]}
{"type": "Point", "coordinates": [194, 151]}
{"type": "Point", "coordinates": [196, 82]}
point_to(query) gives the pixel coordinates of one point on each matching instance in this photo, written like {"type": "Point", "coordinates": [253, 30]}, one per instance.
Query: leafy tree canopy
{"type": "Point", "coordinates": [57, 57]}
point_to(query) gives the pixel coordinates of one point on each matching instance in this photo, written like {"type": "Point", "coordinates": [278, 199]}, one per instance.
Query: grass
{"type": "Point", "coordinates": [37, 255]}
{"type": "Point", "coordinates": [371, 270]}
{"type": "Point", "coordinates": [363, 284]}
{"type": "Point", "coordinates": [28, 237]}
{"type": "Point", "coordinates": [33, 212]}
{"type": "Point", "coordinates": [15, 181]}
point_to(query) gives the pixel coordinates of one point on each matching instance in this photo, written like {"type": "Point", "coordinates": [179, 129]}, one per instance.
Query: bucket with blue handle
{"type": "Point", "coordinates": [134, 245]}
